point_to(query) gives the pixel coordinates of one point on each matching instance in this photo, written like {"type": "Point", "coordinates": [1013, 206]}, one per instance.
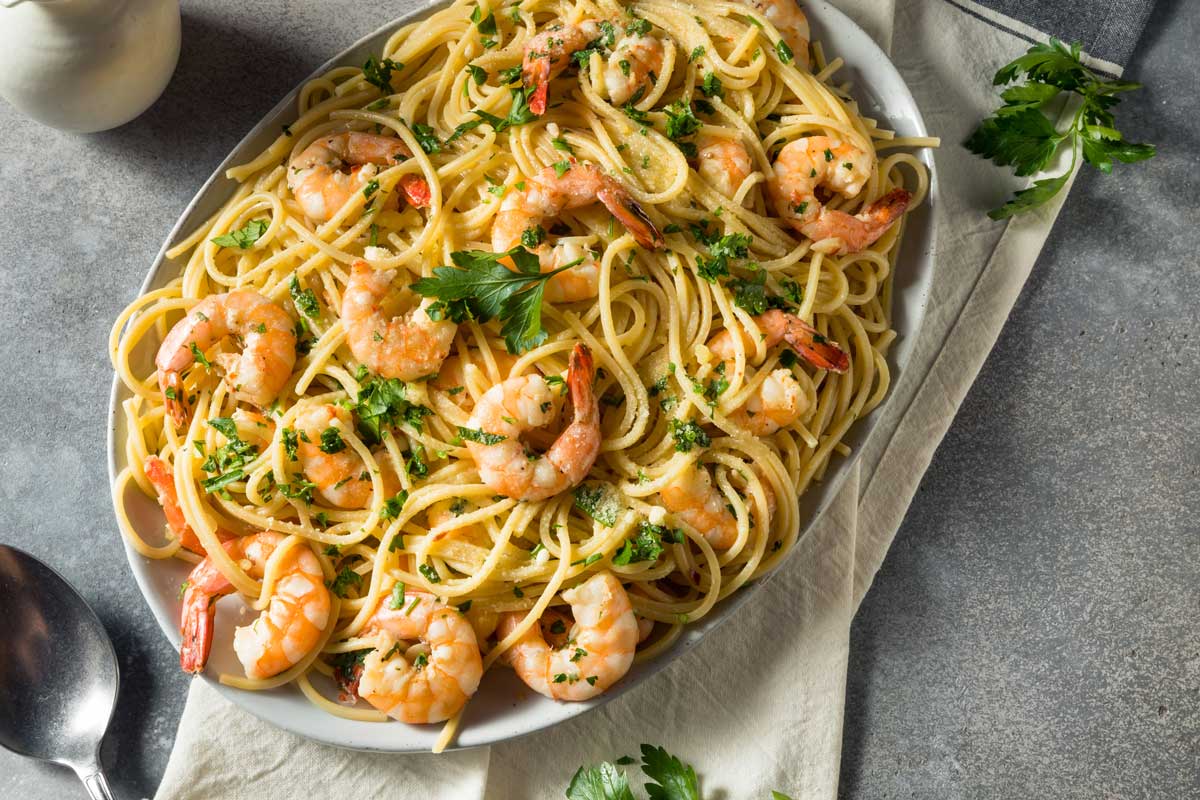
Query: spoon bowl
{"type": "Point", "coordinates": [58, 671]}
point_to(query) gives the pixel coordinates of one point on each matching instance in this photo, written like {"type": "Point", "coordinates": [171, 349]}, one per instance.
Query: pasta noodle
{"type": "Point", "coordinates": [669, 404]}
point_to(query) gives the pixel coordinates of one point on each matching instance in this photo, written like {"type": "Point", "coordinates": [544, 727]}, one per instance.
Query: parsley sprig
{"type": "Point", "coordinates": [480, 287]}
{"type": "Point", "coordinates": [1022, 136]}
{"type": "Point", "coordinates": [670, 779]}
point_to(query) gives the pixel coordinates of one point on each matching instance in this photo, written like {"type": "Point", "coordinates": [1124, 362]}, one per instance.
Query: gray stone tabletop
{"type": "Point", "coordinates": [1034, 631]}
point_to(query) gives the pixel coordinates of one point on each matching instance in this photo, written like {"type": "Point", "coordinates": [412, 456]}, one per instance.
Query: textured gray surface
{"type": "Point", "coordinates": [1034, 629]}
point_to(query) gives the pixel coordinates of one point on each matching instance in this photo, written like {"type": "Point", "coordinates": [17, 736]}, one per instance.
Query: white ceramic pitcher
{"type": "Point", "coordinates": [86, 65]}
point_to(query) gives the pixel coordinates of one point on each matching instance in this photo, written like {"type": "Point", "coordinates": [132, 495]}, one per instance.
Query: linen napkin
{"type": "Point", "coordinates": [759, 705]}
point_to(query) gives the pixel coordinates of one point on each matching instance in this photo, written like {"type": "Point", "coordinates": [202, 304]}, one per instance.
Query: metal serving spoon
{"type": "Point", "coordinates": [58, 670]}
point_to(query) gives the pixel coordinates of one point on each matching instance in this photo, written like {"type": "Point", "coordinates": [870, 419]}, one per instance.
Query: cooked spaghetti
{"type": "Point", "coordinates": [520, 343]}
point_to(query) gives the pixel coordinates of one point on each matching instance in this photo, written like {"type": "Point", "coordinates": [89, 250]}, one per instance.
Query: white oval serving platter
{"type": "Point", "coordinates": [504, 708]}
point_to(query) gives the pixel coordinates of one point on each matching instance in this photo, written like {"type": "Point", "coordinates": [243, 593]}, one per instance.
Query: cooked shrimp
{"type": "Point", "coordinates": [548, 54]}
{"type": "Point", "coordinates": [284, 633]}
{"type": "Point", "coordinates": [162, 478]}
{"type": "Point", "coordinates": [549, 194]}
{"type": "Point", "coordinates": [452, 375]}
{"type": "Point", "coordinates": [599, 647]}
{"type": "Point", "coordinates": [517, 405]}
{"type": "Point", "coordinates": [340, 476]}
{"type": "Point", "coordinates": [694, 498]}
{"type": "Point", "coordinates": [256, 375]}
{"type": "Point", "coordinates": [427, 683]}
{"type": "Point", "coordinates": [321, 187]}
{"type": "Point", "coordinates": [407, 347]}
{"type": "Point", "coordinates": [789, 20]}
{"type": "Point", "coordinates": [819, 161]}
{"type": "Point", "coordinates": [779, 400]}
{"type": "Point", "coordinates": [635, 63]}
{"type": "Point", "coordinates": [723, 162]}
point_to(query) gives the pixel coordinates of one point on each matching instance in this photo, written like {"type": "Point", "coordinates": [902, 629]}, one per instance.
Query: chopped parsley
{"type": "Point", "coordinates": [688, 435]}
{"type": "Point", "coordinates": [599, 501]}
{"type": "Point", "coordinates": [646, 545]}
{"type": "Point", "coordinates": [331, 441]}
{"type": "Point", "coordinates": [244, 236]}
{"type": "Point", "coordinates": [712, 86]}
{"type": "Point", "coordinates": [383, 402]}
{"type": "Point", "coordinates": [480, 437]}
{"type": "Point", "coordinates": [427, 138]}
{"type": "Point", "coordinates": [784, 52]}
{"type": "Point", "coordinates": [379, 73]}
{"type": "Point", "coordinates": [429, 573]}
{"type": "Point", "coordinates": [394, 505]}
{"type": "Point", "coordinates": [305, 300]}
{"type": "Point", "coordinates": [345, 578]}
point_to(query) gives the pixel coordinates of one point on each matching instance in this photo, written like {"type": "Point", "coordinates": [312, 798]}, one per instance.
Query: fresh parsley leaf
{"type": "Point", "coordinates": [1020, 135]}
{"type": "Point", "coordinates": [1032, 197]}
{"type": "Point", "coordinates": [697, 52]}
{"type": "Point", "coordinates": [244, 236]}
{"type": "Point", "coordinates": [1026, 141]}
{"type": "Point", "coordinates": [675, 780]}
{"type": "Point", "coordinates": [681, 122]}
{"type": "Point", "coordinates": [511, 74]}
{"type": "Point", "coordinates": [479, 286]}
{"type": "Point", "coordinates": [601, 782]}
{"type": "Point", "coordinates": [486, 25]}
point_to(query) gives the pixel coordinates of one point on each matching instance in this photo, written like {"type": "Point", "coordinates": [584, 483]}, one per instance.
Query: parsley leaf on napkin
{"type": "Point", "coordinates": [673, 779]}
{"type": "Point", "coordinates": [1023, 136]}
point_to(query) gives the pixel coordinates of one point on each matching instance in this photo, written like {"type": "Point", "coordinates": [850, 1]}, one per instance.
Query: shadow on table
{"type": "Point", "coordinates": [226, 80]}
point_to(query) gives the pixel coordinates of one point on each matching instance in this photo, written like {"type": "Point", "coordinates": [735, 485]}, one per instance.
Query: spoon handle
{"type": "Point", "coordinates": [94, 782]}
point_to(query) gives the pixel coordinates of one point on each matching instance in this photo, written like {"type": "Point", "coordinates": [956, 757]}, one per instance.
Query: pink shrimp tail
{"type": "Point", "coordinates": [416, 190]}
{"type": "Point", "coordinates": [581, 374]}
{"type": "Point", "coordinates": [171, 383]}
{"type": "Point", "coordinates": [536, 73]}
{"type": "Point", "coordinates": [887, 209]}
{"type": "Point", "coordinates": [204, 585]}
{"type": "Point", "coordinates": [815, 348]}
{"type": "Point", "coordinates": [196, 627]}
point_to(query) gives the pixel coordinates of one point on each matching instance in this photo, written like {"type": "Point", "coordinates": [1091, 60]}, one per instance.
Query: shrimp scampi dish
{"type": "Point", "coordinates": [515, 350]}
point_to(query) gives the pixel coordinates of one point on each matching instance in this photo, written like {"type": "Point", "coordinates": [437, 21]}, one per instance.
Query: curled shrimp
{"type": "Point", "coordinates": [599, 645]}
{"type": "Point", "coordinates": [549, 194]}
{"type": "Point", "coordinates": [162, 478]}
{"type": "Point", "coordinates": [692, 496]}
{"type": "Point", "coordinates": [547, 54]}
{"type": "Point", "coordinates": [779, 401]}
{"type": "Point", "coordinates": [256, 375]}
{"type": "Point", "coordinates": [407, 347]}
{"type": "Point", "coordinates": [431, 681]}
{"type": "Point", "coordinates": [518, 405]}
{"type": "Point", "coordinates": [820, 161]}
{"type": "Point", "coordinates": [635, 62]}
{"type": "Point", "coordinates": [789, 19]}
{"type": "Point", "coordinates": [723, 162]}
{"type": "Point", "coordinates": [339, 475]}
{"type": "Point", "coordinates": [284, 633]}
{"type": "Point", "coordinates": [320, 185]}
